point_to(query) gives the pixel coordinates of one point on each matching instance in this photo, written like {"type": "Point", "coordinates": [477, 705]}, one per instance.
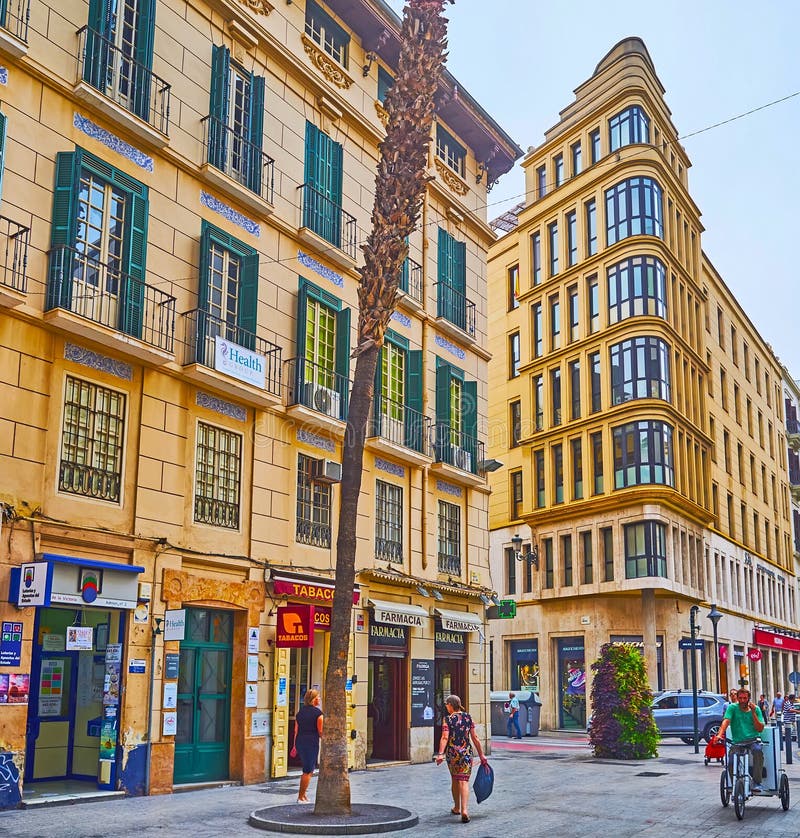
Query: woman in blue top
{"type": "Point", "coordinates": [307, 731]}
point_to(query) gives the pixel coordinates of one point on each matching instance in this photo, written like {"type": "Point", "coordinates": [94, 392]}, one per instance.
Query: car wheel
{"type": "Point", "coordinates": [711, 730]}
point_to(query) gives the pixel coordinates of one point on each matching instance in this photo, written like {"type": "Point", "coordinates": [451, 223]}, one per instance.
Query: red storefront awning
{"type": "Point", "coordinates": [762, 637]}
{"type": "Point", "coordinates": [315, 590]}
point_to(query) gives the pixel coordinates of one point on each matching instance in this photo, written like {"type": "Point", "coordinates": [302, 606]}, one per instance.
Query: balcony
{"type": "Point", "coordinates": [225, 357]}
{"type": "Point", "coordinates": [324, 223]}
{"type": "Point", "coordinates": [316, 394]}
{"type": "Point", "coordinates": [122, 312]}
{"type": "Point", "coordinates": [455, 314]}
{"type": "Point", "coordinates": [121, 88]}
{"type": "Point", "coordinates": [411, 285]}
{"type": "Point", "coordinates": [457, 455]}
{"type": "Point", "coordinates": [793, 433]}
{"type": "Point", "coordinates": [14, 240]}
{"type": "Point", "coordinates": [237, 166]}
{"type": "Point", "coordinates": [451, 565]}
{"type": "Point", "coordinates": [14, 18]}
{"type": "Point", "coordinates": [313, 533]}
{"type": "Point", "coordinates": [794, 482]}
{"type": "Point", "coordinates": [388, 551]}
{"type": "Point", "coordinates": [399, 431]}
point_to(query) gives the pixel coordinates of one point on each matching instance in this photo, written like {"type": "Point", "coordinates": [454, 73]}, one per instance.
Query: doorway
{"type": "Point", "coordinates": [449, 680]}
{"type": "Point", "coordinates": [386, 707]}
{"type": "Point", "coordinates": [571, 683]}
{"type": "Point", "coordinates": [202, 736]}
{"type": "Point", "coordinates": [66, 701]}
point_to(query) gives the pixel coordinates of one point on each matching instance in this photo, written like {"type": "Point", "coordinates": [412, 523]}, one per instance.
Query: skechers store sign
{"type": "Point", "coordinates": [241, 363]}
{"type": "Point", "coordinates": [67, 580]}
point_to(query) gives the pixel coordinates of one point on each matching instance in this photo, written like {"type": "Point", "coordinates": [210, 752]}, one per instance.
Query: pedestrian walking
{"type": "Point", "coordinates": [763, 706]}
{"type": "Point", "coordinates": [776, 712]}
{"type": "Point", "coordinates": [513, 715]}
{"type": "Point", "coordinates": [458, 736]}
{"type": "Point", "coordinates": [788, 716]}
{"type": "Point", "coordinates": [307, 731]}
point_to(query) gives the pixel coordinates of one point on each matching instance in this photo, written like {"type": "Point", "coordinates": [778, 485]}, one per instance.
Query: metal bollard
{"type": "Point", "coordinates": [787, 739]}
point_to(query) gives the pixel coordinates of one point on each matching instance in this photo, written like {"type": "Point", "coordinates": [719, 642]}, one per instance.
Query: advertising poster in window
{"type": "Point", "coordinates": [4, 680]}
{"type": "Point", "coordinates": [18, 688]}
{"type": "Point", "coordinates": [51, 687]}
{"type": "Point", "coordinates": [422, 693]}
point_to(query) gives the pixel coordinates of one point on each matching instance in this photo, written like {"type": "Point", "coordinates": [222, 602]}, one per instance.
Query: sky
{"type": "Point", "coordinates": [522, 59]}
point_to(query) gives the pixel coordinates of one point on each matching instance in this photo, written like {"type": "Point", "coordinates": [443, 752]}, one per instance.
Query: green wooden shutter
{"type": "Point", "coordinates": [343, 357]}
{"type": "Point", "coordinates": [97, 57]}
{"type": "Point", "coordinates": [218, 109]}
{"type": "Point", "coordinates": [415, 424]}
{"type": "Point", "coordinates": [300, 361]}
{"type": "Point", "coordinates": [256, 133]}
{"type": "Point", "coordinates": [442, 435]}
{"type": "Point", "coordinates": [62, 228]}
{"type": "Point", "coordinates": [248, 300]}
{"type": "Point", "coordinates": [145, 34]}
{"type": "Point", "coordinates": [458, 276]}
{"type": "Point", "coordinates": [3, 10]}
{"type": "Point", "coordinates": [134, 266]}
{"type": "Point", "coordinates": [199, 348]}
{"type": "Point", "coordinates": [378, 406]}
{"type": "Point", "coordinates": [3, 126]}
{"type": "Point", "coordinates": [443, 295]}
{"type": "Point", "coordinates": [310, 177]}
{"type": "Point", "coordinates": [469, 410]}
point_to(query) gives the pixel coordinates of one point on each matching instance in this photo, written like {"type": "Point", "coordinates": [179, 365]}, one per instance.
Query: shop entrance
{"type": "Point", "coordinates": [571, 683]}
{"type": "Point", "coordinates": [386, 707]}
{"type": "Point", "coordinates": [71, 691]}
{"type": "Point", "coordinates": [202, 736]}
{"type": "Point", "coordinates": [449, 680]}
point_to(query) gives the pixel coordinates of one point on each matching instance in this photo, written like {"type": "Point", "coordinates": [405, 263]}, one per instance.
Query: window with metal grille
{"type": "Point", "coordinates": [218, 471]}
{"type": "Point", "coordinates": [91, 441]}
{"type": "Point", "coordinates": [388, 522]}
{"type": "Point", "coordinates": [323, 30]}
{"type": "Point", "coordinates": [313, 505]}
{"type": "Point", "coordinates": [449, 538]}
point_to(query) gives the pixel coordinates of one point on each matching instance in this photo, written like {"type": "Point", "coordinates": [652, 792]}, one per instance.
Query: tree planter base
{"type": "Point", "coordinates": [366, 818]}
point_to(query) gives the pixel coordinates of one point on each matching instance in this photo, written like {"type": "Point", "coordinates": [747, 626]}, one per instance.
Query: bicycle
{"type": "Point", "coordinates": [736, 781]}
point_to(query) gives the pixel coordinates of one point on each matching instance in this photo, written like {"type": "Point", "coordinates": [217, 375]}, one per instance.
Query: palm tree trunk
{"type": "Point", "coordinates": [399, 192]}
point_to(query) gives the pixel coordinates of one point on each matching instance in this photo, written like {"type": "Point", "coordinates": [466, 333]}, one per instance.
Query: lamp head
{"type": "Point", "coordinates": [714, 615]}
{"type": "Point", "coordinates": [516, 544]}
{"type": "Point", "coordinates": [422, 590]}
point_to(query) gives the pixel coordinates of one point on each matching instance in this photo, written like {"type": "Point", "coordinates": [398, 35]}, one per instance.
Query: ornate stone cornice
{"type": "Point", "coordinates": [329, 68]}
{"type": "Point", "coordinates": [260, 7]}
{"type": "Point", "coordinates": [383, 114]}
{"type": "Point", "coordinates": [450, 177]}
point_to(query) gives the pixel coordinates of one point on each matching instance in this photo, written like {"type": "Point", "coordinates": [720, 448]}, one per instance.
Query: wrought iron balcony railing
{"type": "Point", "coordinates": [14, 240]}
{"type": "Point", "coordinates": [110, 297]}
{"type": "Point", "coordinates": [400, 424]}
{"type": "Point", "coordinates": [203, 331]}
{"type": "Point", "coordinates": [449, 564]}
{"type": "Point", "coordinates": [456, 448]}
{"type": "Point", "coordinates": [88, 481]}
{"type": "Point", "coordinates": [218, 513]}
{"type": "Point", "coordinates": [313, 533]}
{"type": "Point", "coordinates": [794, 477]}
{"type": "Point", "coordinates": [411, 279]}
{"type": "Point", "coordinates": [15, 16]}
{"type": "Point", "coordinates": [388, 551]}
{"type": "Point", "coordinates": [328, 220]}
{"type": "Point", "coordinates": [453, 306]}
{"type": "Point", "coordinates": [238, 158]}
{"type": "Point", "coordinates": [116, 74]}
{"type": "Point", "coordinates": [792, 427]}
{"type": "Point", "coordinates": [317, 387]}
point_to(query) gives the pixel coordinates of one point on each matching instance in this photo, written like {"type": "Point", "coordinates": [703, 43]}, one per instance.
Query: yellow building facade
{"type": "Point", "coordinates": [608, 371]}
{"type": "Point", "coordinates": [186, 188]}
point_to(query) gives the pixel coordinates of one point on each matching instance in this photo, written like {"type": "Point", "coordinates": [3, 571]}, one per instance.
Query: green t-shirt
{"type": "Point", "coordinates": [741, 723]}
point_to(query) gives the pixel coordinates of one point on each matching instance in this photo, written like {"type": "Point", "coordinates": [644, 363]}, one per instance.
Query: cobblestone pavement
{"type": "Point", "coordinates": [543, 786]}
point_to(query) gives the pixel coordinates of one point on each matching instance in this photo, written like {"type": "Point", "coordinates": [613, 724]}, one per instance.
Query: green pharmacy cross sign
{"type": "Point", "coordinates": [507, 609]}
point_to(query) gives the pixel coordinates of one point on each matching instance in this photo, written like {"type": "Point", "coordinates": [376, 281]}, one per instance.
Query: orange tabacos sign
{"type": "Point", "coordinates": [317, 591]}
{"type": "Point", "coordinates": [295, 629]}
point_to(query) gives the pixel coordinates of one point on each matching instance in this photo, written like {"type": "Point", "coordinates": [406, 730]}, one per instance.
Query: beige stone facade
{"type": "Point", "coordinates": [191, 185]}
{"type": "Point", "coordinates": [613, 339]}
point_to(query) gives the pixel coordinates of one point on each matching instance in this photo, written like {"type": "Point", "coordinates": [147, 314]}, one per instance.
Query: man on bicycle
{"type": "Point", "coordinates": [746, 723]}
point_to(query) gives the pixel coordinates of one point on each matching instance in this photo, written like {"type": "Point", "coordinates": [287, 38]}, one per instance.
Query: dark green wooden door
{"type": "Point", "coordinates": [202, 738]}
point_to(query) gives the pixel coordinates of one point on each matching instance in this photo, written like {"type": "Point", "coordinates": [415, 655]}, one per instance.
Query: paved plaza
{"type": "Point", "coordinates": [547, 785]}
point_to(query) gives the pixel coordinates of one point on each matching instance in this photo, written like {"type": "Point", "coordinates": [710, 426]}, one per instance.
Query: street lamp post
{"type": "Point", "coordinates": [715, 616]}
{"type": "Point", "coordinates": [693, 629]}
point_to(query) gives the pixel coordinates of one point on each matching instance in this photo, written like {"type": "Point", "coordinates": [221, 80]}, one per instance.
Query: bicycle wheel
{"type": "Point", "coordinates": [739, 798]}
{"type": "Point", "coordinates": [784, 792]}
{"type": "Point", "coordinates": [724, 788]}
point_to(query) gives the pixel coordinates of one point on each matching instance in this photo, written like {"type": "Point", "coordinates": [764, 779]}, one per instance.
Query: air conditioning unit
{"type": "Point", "coordinates": [328, 471]}
{"type": "Point", "coordinates": [461, 458]}
{"type": "Point", "coordinates": [323, 399]}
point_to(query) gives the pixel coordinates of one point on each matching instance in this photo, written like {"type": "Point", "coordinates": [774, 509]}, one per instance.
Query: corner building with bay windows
{"type": "Point", "coordinates": [637, 413]}
{"type": "Point", "coordinates": [185, 188]}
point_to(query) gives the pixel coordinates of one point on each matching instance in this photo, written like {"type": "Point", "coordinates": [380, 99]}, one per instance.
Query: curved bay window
{"type": "Point", "coordinates": [634, 208]}
{"type": "Point", "coordinates": [643, 454]}
{"type": "Point", "coordinates": [636, 287]}
{"type": "Point", "coordinates": [645, 549]}
{"type": "Point", "coordinates": [628, 127]}
{"type": "Point", "coordinates": [640, 370]}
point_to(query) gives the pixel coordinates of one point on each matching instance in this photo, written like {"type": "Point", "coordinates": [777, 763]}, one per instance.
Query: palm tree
{"type": "Point", "coordinates": [399, 192]}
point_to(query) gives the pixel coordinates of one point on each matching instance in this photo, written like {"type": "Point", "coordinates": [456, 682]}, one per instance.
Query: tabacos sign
{"type": "Point", "coordinates": [298, 589]}
{"type": "Point", "coordinates": [239, 362]}
{"type": "Point", "coordinates": [295, 629]}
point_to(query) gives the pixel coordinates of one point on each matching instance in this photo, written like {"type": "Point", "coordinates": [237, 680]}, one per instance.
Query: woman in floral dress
{"type": "Point", "coordinates": [458, 735]}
